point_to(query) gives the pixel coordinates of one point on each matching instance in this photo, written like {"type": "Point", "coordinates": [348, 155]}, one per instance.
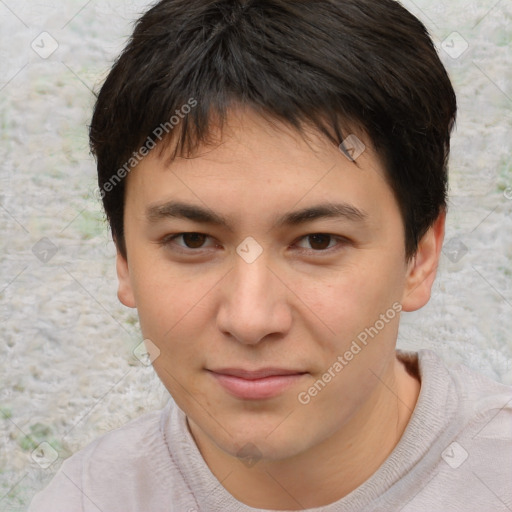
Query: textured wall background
{"type": "Point", "coordinates": [68, 373]}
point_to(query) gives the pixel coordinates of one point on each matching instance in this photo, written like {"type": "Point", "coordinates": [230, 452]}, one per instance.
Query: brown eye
{"type": "Point", "coordinates": [322, 243]}
{"type": "Point", "coordinates": [193, 240]}
{"type": "Point", "coordinates": [319, 242]}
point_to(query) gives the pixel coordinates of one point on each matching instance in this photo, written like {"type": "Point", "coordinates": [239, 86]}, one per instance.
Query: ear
{"type": "Point", "coordinates": [124, 290]}
{"type": "Point", "coordinates": [422, 268]}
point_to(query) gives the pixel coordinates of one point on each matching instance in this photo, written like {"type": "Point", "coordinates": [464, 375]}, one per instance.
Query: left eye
{"type": "Point", "coordinates": [319, 242]}
{"type": "Point", "coordinates": [192, 240]}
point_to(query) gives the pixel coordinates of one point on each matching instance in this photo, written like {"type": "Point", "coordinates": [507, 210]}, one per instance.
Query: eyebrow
{"type": "Point", "coordinates": [177, 209]}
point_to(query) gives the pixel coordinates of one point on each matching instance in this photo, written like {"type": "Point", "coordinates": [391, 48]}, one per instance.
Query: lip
{"type": "Point", "coordinates": [256, 384]}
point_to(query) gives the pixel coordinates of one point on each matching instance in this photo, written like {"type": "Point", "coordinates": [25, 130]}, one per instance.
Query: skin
{"type": "Point", "coordinates": [299, 305]}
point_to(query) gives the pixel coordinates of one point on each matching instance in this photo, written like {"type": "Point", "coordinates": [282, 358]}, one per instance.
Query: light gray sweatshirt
{"type": "Point", "coordinates": [455, 455]}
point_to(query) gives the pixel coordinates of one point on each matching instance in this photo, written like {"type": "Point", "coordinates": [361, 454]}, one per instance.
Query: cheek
{"type": "Point", "coordinates": [171, 306]}
{"type": "Point", "coordinates": [353, 294]}
{"type": "Point", "coordinates": [163, 293]}
{"type": "Point", "coordinates": [348, 312]}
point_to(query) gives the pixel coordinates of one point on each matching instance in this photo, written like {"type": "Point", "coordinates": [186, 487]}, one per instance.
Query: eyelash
{"type": "Point", "coordinates": [342, 241]}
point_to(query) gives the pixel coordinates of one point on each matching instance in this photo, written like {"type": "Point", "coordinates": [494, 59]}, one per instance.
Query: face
{"type": "Point", "coordinates": [250, 314]}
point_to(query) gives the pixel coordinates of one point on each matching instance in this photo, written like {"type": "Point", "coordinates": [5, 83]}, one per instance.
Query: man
{"type": "Point", "coordinates": [274, 173]}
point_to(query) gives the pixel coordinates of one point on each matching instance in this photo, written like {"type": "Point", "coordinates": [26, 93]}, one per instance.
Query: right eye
{"type": "Point", "coordinates": [193, 242]}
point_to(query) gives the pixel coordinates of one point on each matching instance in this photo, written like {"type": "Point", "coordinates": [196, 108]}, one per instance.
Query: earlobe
{"type": "Point", "coordinates": [124, 291]}
{"type": "Point", "coordinates": [422, 268]}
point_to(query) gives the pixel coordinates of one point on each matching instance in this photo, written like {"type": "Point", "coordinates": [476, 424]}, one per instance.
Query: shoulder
{"type": "Point", "coordinates": [464, 425]}
{"type": "Point", "coordinates": [132, 461]}
{"type": "Point", "coordinates": [130, 442]}
{"type": "Point", "coordinates": [479, 453]}
{"type": "Point", "coordinates": [479, 394]}
{"type": "Point", "coordinates": [479, 398]}
{"type": "Point", "coordinates": [469, 385]}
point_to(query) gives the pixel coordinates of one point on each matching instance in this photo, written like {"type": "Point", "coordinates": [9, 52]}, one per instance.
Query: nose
{"type": "Point", "coordinates": [254, 303]}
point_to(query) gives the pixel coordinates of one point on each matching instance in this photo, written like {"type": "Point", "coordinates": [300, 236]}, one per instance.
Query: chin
{"type": "Point", "coordinates": [250, 450]}
{"type": "Point", "coordinates": [261, 442]}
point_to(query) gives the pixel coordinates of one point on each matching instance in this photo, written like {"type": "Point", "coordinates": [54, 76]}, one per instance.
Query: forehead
{"type": "Point", "coordinates": [257, 165]}
{"type": "Point", "coordinates": [247, 136]}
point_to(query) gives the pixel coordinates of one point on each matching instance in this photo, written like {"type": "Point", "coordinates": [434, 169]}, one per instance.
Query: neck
{"type": "Point", "coordinates": [329, 471]}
